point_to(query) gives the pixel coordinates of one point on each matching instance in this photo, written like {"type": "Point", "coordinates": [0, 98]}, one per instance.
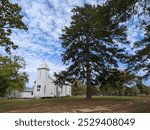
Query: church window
{"type": "Point", "coordinates": [61, 90]}
{"type": "Point", "coordinates": [44, 89]}
{"type": "Point", "coordinates": [38, 87]}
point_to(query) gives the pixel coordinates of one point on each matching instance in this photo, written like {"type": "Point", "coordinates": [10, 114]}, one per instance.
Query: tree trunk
{"type": "Point", "coordinates": [88, 82]}
{"type": "Point", "coordinates": [88, 70]}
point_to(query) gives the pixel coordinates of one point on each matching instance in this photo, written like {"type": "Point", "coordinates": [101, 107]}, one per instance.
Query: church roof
{"type": "Point", "coordinates": [44, 66]}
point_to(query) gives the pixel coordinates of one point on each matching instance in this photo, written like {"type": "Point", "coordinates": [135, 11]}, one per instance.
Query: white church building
{"type": "Point", "coordinates": [43, 86]}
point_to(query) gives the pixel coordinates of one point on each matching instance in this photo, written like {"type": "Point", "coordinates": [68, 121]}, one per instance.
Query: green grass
{"type": "Point", "coordinates": [10, 105]}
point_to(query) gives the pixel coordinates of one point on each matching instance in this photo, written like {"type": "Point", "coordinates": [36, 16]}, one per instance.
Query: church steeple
{"type": "Point", "coordinates": [44, 66]}
{"type": "Point", "coordinates": [42, 80]}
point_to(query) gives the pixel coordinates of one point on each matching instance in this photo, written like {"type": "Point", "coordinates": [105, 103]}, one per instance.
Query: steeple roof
{"type": "Point", "coordinates": [44, 66]}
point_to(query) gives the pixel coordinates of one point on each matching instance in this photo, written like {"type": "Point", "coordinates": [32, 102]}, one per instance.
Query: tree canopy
{"type": "Point", "coordinates": [138, 10]}
{"type": "Point", "coordinates": [10, 18]}
{"type": "Point", "coordinates": [11, 76]}
{"type": "Point", "coordinates": [117, 81]}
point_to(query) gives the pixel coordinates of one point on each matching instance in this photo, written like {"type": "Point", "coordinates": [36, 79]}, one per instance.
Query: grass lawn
{"type": "Point", "coordinates": [139, 104]}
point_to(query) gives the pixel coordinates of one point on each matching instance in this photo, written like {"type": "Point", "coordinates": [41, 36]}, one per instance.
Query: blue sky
{"type": "Point", "coordinates": [45, 20]}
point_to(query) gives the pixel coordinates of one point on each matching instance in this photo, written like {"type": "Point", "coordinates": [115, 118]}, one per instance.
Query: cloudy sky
{"type": "Point", "coordinates": [45, 20]}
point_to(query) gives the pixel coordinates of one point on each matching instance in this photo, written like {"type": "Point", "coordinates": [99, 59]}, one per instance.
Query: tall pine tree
{"type": "Point", "coordinates": [91, 44]}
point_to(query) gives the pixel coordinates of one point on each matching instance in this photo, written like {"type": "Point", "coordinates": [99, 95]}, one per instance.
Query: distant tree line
{"type": "Point", "coordinates": [79, 89]}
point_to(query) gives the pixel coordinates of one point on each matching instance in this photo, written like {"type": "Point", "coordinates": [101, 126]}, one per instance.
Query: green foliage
{"type": "Point", "coordinates": [146, 90]}
{"type": "Point", "coordinates": [78, 88]}
{"type": "Point", "coordinates": [135, 91]}
{"type": "Point", "coordinates": [114, 82]}
{"type": "Point", "coordinates": [141, 59]}
{"type": "Point", "coordinates": [142, 87]}
{"type": "Point", "coordinates": [95, 90]}
{"type": "Point", "coordinates": [10, 19]}
{"type": "Point", "coordinates": [107, 90]}
{"type": "Point", "coordinates": [11, 76]}
{"type": "Point", "coordinates": [91, 44]}
{"type": "Point", "coordinates": [132, 91]}
{"type": "Point", "coordinates": [61, 78]}
{"type": "Point", "coordinates": [127, 11]}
